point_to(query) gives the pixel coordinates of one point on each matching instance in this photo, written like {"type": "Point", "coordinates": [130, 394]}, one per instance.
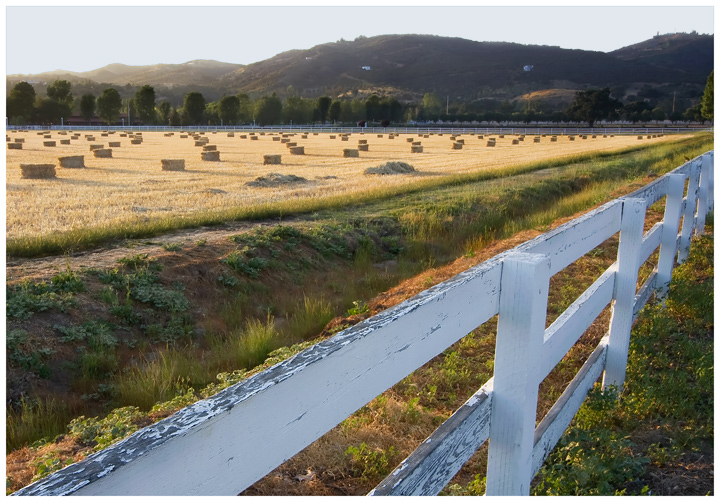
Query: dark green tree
{"type": "Point", "coordinates": [229, 109]}
{"type": "Point", "coordinates": [268, 110]}
{"type": "Point", "coordinates": [194, 106]}
{"type": "Point", "coordinates": [297, 110]}
{"type": "Point", "coordinates": [174, 118]}
{"type": "Point", "coordinates": [373, 108]}
{"type": "Point", "coordinates": [49, 111]}
{"type": "Point", "coordinates": [109, 104]}
{"type": "Point", "coordinates": [60, 91]}
{"type": "Point", "coordinates": [162, 112]}
{"type": "Point", "coordinates": [593, 105]}
{"type": "Point", "coordinates": [87, 106]}
{"type": "Point", "coordinates": [21, 103]}
{"type": "Point", "coordinates": [323, 104]}
{"type": "Point", "coordinates": [707, 108]}
{"type": "Point", "coordinates": [334, 111]}
{"type": "Point", "coordinates": [432, 106]}
{"type": "Point", "coordinates": [245, 109]}
{"type": "Point", "coordinates": [144, 103]}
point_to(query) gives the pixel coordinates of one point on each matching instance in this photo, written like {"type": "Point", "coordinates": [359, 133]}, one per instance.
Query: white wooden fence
{"type": "Point", "coordinates": [224, 444]}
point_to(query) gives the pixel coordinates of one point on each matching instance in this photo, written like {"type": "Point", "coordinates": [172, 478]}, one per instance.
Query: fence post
{"type": "Point", "coordinates": [703, 194]}
{"type": "Point", "coordinates": [521, 325]}
{"type": "Point", "coordinates": [631, 235]}
{"type": "Point", "coordinates": [671, 226]}
{"type": "Point", "coordinates": [711, 180]}
{"type": "Point", "coordinates": [689, 214]}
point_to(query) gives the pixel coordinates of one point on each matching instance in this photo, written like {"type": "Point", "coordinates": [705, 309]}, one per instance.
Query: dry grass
{"type": "Point", "coordinates": [131, 186]}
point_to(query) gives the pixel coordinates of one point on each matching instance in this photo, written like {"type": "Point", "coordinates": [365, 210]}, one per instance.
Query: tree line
{"type": "Point", "coordinates": [590, 106]}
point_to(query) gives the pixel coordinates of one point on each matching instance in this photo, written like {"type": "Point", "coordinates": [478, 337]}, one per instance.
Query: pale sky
{"type": "Point", "coordinates": [88, 36]}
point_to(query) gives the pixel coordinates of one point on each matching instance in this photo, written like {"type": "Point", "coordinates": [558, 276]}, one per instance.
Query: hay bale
{"type": "Point", "coordinates": [416, 149]}
{"type": "Point", "coordinates": [284, 139]}
{"type": "Point", "coordinates": [103, 134]}
{"type": "Point", "coordinates": [640, 137]}
{"type": "Point", "coordinates": [275, 179]}
{"type": "Point", "coordinates": [416, 143]}
{"type": "Point", "coordinates": [48, 143]}
{"type": "Point", "coordinates": [571, 138]}
{"type": "Point", "coordinates": [481, 136]}
{"type": "Point", "coordinates": [64, 141]}
{"type": "Point", "coordinates": [291, 144]}
{"type": "Point", "coordinates": [114, 144]}
{"type": "Point", "coordinates": [275, 138]}
{"type": "Point", "coordinates": [19, 140]}
{"type": "Point", "coordinates": [297, 150]}
{"type": "Point", "coordinates": [243, 136]}
{"type": "Point", "coordinates": [254, 138]}
{"type": "Point", "coordinates": [426, 135]}
{"type": "Point", "coordinates": [272, 159]}
{"type": "Point", "coordinates": [553, 139]}
{"type": "Point", "coordinates": [457, 146]}
{"type": "Point", "coordinates": [393, 167]}
{"type": "Point", "coordinates": [351, 152]}
{"type": "Point", "coordinates": [231, 135]}
{"type": "Point", "coordinates": [136, 141]}
{"type": "Point", "coordinates": [103, 153]}
{"type": "Point", "coordinates": [37, 171]}
{"type": "Point", "coordinates": [209, 148]}
{"type": "Point", "coordinates": [72, 161]}
{"type": "Point", "coordinates": [123, 135]}
{"type": "Point", "coordinates": [516, 141]}
{"type": "Point", "coordinates": [183, 136]}
{"type": "Point", "coordinates": [409, 140]}
{"type": "Point", "coordinates": [536, 140]}
{"type": "Point", "coordinates": [380, 135]}
{"type": "Point", "coordinates": [90, 138]}
{"type": "Point", "coordinates": [303, 136]}
{"type": "Point", "coordinates": [344, 138]}
{"type": "Point", "coordinates": [211, 156]}
{"type": "Point", "coordinates": [362, 142]}
{"type": "Point", "coordinates": [14, 146]}
{"type": "Point", "coordinates": [47, 136]}
{"type": "Point", "coordinates": [363, 147]}
{"type": "Point", "coordinates": [461, 141]}
{"type": "Point", "coordinates": [172, 164]}
{"type": "Point", "coordinates": [491, 142]}
{"type": "Point", "coordinates": [96, 147]}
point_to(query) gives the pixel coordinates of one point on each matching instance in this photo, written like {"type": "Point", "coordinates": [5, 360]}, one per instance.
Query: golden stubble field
{"type": "Point", "coordinates": [131, 185]}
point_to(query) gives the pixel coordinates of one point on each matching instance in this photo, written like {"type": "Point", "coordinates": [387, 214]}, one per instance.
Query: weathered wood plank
{"type": "Point", "coordinates": [433, 464]}
{"type": "Point", "coordinates": [651, 193]}
{"type": "Point", "coordinates": [644, 293]}
{"type": "Point", "coordinates": [625, 285]}
{"type": "Point", "coordinates": [651, 241]}
{"type": "Point", "coordinates": [689, 212]}
{"type": "Point", "coordinates": [521, 326]}
{"type": "Point", "coordinates": [570, 241]}
{"type": "Point", "coordinates": [571, 324]}
{"type": "Point", "coordinates": [671, 226]}
{"type": "Point", "coordinates": [552, 427]}
{"type": "Point", "coordinates": [225, 443]}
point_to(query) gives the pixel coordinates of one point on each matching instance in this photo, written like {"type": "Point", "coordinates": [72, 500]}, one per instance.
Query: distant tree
{"type": "Point", "coordinates": [162, 112]}
{"type": "Point", "coordinates": [194, 107]}
{"type": "Point", "coordinates": [707, 108]}
{"type": "Point", "coordinates": [633, 111]}
{"type": "Point", "coordinates": [297, 110]}
{"type": "Point", "coordinates": [373, 108]}
{"type": "Point", "coordinates": [334, 111]}
{"type": "Point", "coordinates": [21, 103]}
{"type": "Point", "coordinates": [60, 91]}
{"type": "Point", "coordinates": [323, 104]}
{"type": "Point", "coordinates": [593, 105]}
{"type": "Point", "coordinates": [432, 106]}
{"type": "Point", "coordinates": [109, 104]}
{"type": "Point", "coordinates": [268, 110]}
{"type": "Point", "coordinates": [245, 109]}
{"type": "Point", "coordinates": [145, 104]}
{"type": "Point", "coordinates": [174, 118]}
{"type": "Point", "coordinates": [87, 106]}
{"type": "Point", "coordinates": [693, 114]}
{"type": "Point", "coordinates": [228, 109]}
{"type": "Point", "coordinates": [49, 111]}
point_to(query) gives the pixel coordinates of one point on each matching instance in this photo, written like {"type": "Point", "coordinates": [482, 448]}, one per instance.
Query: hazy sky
{"type": "Point", "coordinates": [88, 35]}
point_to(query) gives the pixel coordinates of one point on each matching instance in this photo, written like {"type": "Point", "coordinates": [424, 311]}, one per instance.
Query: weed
{"type": "Point", "coordinates": [359, 307]}
{"type": "Point", "coordinates": [171, 246]}
{"type": "Point", "coordinates": [368, 463]}
{"type": "Point", "coordinates": [101, 433]}
{"type": "Point", "coordinates": [27, 353]}
{"type": "Point", "coordinates": [47, 464]}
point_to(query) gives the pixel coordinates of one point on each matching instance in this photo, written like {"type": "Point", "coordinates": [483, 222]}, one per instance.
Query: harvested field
{"type": "Point", "coordinates": [110, 191]}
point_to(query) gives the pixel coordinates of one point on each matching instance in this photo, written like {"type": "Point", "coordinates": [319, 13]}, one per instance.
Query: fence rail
{"type": "Point", "coordinates": [224, 444]}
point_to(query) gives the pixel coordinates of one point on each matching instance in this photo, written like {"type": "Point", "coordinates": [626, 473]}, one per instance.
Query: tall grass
{"type": "Point", "coordinates": [35, 419]}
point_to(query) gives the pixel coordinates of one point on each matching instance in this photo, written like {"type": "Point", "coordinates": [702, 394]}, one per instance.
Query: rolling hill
{"type": "Point", "coordinates": [408, 66]}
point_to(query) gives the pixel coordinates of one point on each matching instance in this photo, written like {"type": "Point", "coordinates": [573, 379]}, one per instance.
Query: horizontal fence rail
{"type": "Point", "coordinates": [224, 444]}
